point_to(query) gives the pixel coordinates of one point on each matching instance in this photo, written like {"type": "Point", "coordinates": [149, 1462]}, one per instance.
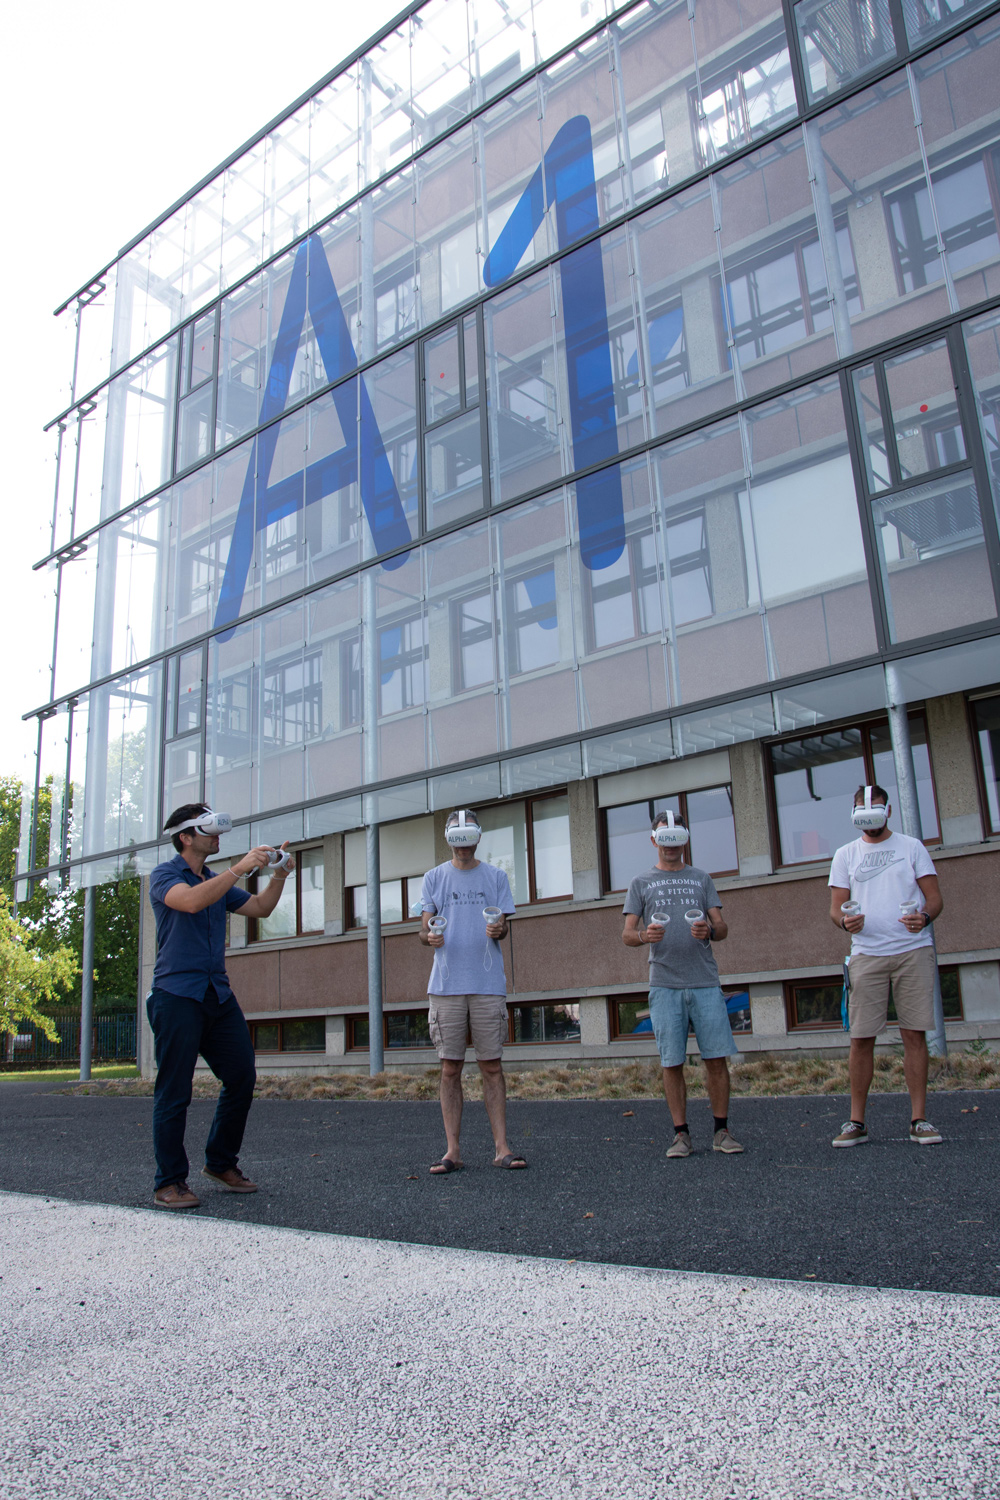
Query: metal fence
{"type": "Point", "coordinates": [114, 1041]}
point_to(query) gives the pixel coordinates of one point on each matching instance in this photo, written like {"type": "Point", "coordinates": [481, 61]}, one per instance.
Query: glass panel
{"type": "Point", "coordinates": [812, 574]}
{"type": "Point", "coordinates": [91, 438]}
{"type": "Point", "coordinates": [545, 1023]}
{"type": "Point", "coordinates": [358, 1032]}
{"type": "Point", "coordinates": [885, 773]}
{"type": "Point", "coordinates": [861, 149]}
{"type": "Point", "coordinates": [131, 564]}
{"type": "Point", "coordinates": [629, 849]}
{"type": "Point", "coordinates": [333, 145]}
{"type": "Point", "coordinates": [442, 389]}
{"type": "Point", "coordinates": [935, 571]}
{"type": "Point", "coordinates": [505, 844]}
{"type": "Point", "coordinates": [77, 795]}
{"type": "Point", "coordinates": [308, 1035]}
{"type": "Point", "coordinates": [924, 17]}
{"type": "Point", "coordinates": [839, 43]}
{"type": "Point", "coordinates": [982, 341]}
{"type": "Point", "coordinates": [49, 846]}
{"type": "Point", "coordinates": [407, 1028]}
{"type": "Point", "coordinates": [439, 67]}
{"type": "Point", "coordinates": [655, 65]}
{"type": "Point", "coordinates": [123, 763]}
{"type": "Point", "coordinates": [453, 468]}
{"type": "Point", "coordinates": [684, 342]}
{"type": "Point", "coordinates": [447, 225]}
{"type": "Point", "coordinates": [310, 878]}
{"type": "Point", "coordinates": [550, 848]}
{"type": "Point", "coordinates": [333, 757]}
{"type": "Point", "coordinates": [814, 783]}
{"type": "Point", "coordinates": [577, 89]}
{"type": "Point", "coordinates": [391, 901]}
{"type": "Point", "coordinates": [521, 374]}
{"type": "Point", "coordinates": [74, 643]}
{"type": "Point", "coordinates": [713, 832]}
{"type": "Point", "coordinates": [267, 1036]}
{"type": "Point", "coordinates": [869, 405]}
{"type": "Point", "coordinates": [744, 76]}
{"type": "Point", "coordinates": [139, 426]}
{"type": "Point", "coordinates": [986, 717]}
{"type": "Point", "coordinates": [391, 388]}
{"type": "Point", "coordinates": [233, 728]}
{"type": "Point", "coordinates": [391, 230]}
{"type": "Point", "coordinates": [925, 416]}
{"type": "Point", "coordinates": [189, 688]}
{"type": "Point", "coordinates": [781, 268]}
{"type": "Point", "coordinates": [462, 647]}
{"type": "Point", "coordinates": [471, 336]}
{"type": "Point", "coordinates": [632, 1017]}
{"type": "Point", "coordinates": [281, 922]}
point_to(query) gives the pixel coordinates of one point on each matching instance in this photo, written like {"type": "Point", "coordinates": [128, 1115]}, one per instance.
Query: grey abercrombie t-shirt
{"type": "Point", "coordinates": [678, 961]}
{"type": "Point", "coordinates": [470, 963]}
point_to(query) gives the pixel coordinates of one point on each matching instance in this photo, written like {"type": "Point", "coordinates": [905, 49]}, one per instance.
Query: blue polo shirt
{"type": "Point", "coordinates": [191, 945]}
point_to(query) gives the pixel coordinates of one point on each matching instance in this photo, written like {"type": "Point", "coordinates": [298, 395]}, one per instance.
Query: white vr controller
{"type": "Point", "coordinates": [670, 835]}
{"type": "Point", "coordinates": [465, 834]}
{"type": "Point", "coordinates": [279, 859]}
{"type": "Point", "coordinates": [868, 817]}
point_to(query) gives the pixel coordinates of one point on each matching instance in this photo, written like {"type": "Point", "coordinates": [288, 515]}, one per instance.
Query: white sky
{"type": "Point", "coordinates": [110, 113]}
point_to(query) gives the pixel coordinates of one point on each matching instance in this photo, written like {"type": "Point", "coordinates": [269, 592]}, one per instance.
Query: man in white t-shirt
{"type": "Point", "coordinates": [893, 891]}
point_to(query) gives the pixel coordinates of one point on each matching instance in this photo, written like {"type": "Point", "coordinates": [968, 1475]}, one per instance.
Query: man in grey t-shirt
{"type": "Point", "coordinates": [674, 909]}
{"type": "Point", "coordinates": [466, 904]}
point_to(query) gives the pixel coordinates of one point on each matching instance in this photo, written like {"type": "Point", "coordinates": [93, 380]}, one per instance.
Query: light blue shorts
{"type": "Point", "coordinates": [672, 1012]}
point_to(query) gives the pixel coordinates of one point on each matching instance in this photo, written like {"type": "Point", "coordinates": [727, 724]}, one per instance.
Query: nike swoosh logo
{"type": "Point", "coordinates": [862, 875]}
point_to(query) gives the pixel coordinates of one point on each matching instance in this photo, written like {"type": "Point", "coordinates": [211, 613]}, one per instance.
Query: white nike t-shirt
{"type": "Point", "coordinates": [880, 876]}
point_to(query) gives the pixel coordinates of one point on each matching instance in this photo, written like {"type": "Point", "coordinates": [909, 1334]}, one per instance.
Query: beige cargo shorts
{"type": "Point", "coordinates": [452, 1019]}
{"type": "Point", "coordinates": [912, 978]}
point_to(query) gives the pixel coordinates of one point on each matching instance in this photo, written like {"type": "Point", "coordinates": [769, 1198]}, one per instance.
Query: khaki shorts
{"type": "Point", "coordinates": [912, 978]}
{"type": "Point", "coordinates": [452, 1017]}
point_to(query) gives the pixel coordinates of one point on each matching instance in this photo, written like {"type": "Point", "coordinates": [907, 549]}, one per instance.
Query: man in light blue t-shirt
{"type": "Point", "coordinates": [465, 908]}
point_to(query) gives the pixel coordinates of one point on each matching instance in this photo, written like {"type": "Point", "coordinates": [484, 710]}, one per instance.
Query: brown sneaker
{"type": "Point", "coordinates": [232, 1180]}
{"type": "Point", "coordinates": [723, 1141]}
{"type": "Point", "coordinates": [175, 1195]}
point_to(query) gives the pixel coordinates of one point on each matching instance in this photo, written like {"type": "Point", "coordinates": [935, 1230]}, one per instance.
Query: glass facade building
{"type": "Point", "coordinates": [561, 388]}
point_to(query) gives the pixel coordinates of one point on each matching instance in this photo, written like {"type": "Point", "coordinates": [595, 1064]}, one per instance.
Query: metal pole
{"type": "Point", "coordinates": [909, 812]}
{"type": "Point", "coordinates": [376, 1052]}
{"type": "Point", "coordinates": [87, 988]}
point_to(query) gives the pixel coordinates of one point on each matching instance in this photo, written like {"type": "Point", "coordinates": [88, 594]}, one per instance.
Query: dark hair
{"type": "Point", "coordinates": [470, 813]}
{"type": "Point", "coordinates": [877, 792]}
{"type": "Point", "coordinates": [661, 817]}
{"type": "Point", "coordinates": [181, 815]}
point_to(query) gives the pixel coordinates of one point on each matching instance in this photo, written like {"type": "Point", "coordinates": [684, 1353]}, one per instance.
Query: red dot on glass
{"type": "Point", "coordinates": [441, 377]}
{"type": "Point", "coordinates": [923, 408]}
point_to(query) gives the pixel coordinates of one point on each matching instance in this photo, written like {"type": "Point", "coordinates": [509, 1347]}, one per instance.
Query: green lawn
{"type": "Point", "coordinates": [112, 1070]}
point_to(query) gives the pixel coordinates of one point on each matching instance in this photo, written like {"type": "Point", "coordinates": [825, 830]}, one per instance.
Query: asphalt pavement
{"type": "Point", "coordinates": [598, 1189]}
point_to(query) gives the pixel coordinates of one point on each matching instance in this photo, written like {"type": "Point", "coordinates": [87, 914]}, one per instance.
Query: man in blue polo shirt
{"type": "Point", "coordinates": [191, 1007]}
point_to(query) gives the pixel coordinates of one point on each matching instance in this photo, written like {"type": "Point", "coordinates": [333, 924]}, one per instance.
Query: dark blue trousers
{"type": "Point", "coordinates": [182, 1028]}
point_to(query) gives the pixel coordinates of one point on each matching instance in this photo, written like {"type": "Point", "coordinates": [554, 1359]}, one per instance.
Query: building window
{"type": "Point", "coordinates": [532, 623]}
{"type": "Point", "coordinates": [299, 913]}
{"type": "Point", "coordinates": [350, 681]}
{"type": "Point", "coordinates": [690, 568]}
{"type": "Point", "coordinates": [292, 701]}
{"type": "Point", "coordinates": [400, 901]}
{"type": "Point", "coordinates": [629, 1015]}
{"type": "Point", "coordinates": [529, 841]}
{"type": "Point", "coordinates": [782, 297]}
{"type": "Point", "coordinates": [402, 650]}
{"type": "Point", "coordinates": [743, 101]}
{"type": "Point", "coordinates": [706, 814]}
{"type": "Point", "coordinates": [625, 603]}
{"type": "Point", "coordinates": [814, 779]}
{"type": "Point", "coordinates": [986, 727]}
{"type": "Point", "coordinates": [816, 1004]}
{"type": "Point", "coordinates": [543, 1023]}
{"type": "Point", "coordinates": [965, 196]}
{"type": "Point", "coordinates": [307, 1035]}
{"type": "Point", "coordinates": [472, 625]}
{"type": "Point", "coordinates": [196, 393]}
{"type": "Point", "coordinates": [401, 1028]}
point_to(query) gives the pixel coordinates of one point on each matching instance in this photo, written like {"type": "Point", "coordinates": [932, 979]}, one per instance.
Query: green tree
{"type": "Point", "coordinates": [30, 979]}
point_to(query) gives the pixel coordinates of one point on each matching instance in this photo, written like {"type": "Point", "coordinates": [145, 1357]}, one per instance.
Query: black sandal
{"type": "Point", "coordinates": [506, 1163]}
{"type": "Point", "coordinates": [446, 1165]}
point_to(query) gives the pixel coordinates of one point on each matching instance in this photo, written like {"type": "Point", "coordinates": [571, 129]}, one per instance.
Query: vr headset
{"type": "Point", "coordinates": [464, 834]}
{"type": "Point", "coordinates": [868, 818]}
{"type": "Point", "coordinates": [670, 835]}
{"type": "Point", "coordinates": [208, 823]}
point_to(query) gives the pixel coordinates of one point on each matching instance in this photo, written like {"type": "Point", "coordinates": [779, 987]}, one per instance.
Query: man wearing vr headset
{"type": "Point", "coordinates": [684, 986]}
{"type": "Point", "coordinates": [191, 1007]}
{"type": "Point", "coordinates": [467, 989]}
{"type": "Point", "coordinates": [891, 878]}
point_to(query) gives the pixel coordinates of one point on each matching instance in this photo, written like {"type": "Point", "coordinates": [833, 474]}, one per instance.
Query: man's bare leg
{"type": "Point", "coordinates": [495, 1099]}
{"type": "Point", "coordinates": [915, 1062]}
{"type": "Point", "coordinates": [675, 1091]}
{"type": "Point", "coordinates": [717, 1085]}
{"type": "Point", "coordinates": [452, 1100]}
{"type": "Point", "coordinates": [861, 1068]}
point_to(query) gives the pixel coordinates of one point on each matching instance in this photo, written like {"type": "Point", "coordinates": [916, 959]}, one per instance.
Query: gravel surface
{"type": "Point", "coordinates": [145, 1357]}
{"type": "Point", "coordinates": [888, 1214]}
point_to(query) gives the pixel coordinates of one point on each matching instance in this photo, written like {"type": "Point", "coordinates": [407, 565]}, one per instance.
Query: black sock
{"type": "Point", "coordinates": [679, 1128]}
{"type": "Point", "coordinates": [721, 1123]}
{"type": "Point", "coordinates": [917, 1119]}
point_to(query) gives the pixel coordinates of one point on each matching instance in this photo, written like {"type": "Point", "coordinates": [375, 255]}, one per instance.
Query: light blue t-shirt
{"type": "Point", "coordinates": [470, 963]}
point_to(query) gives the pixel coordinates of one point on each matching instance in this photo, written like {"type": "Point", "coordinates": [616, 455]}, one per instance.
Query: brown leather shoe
{"type": "Point", "coordinates": [232, 1180]}
{"type": "Point", "coordinates": [175, 1195]}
